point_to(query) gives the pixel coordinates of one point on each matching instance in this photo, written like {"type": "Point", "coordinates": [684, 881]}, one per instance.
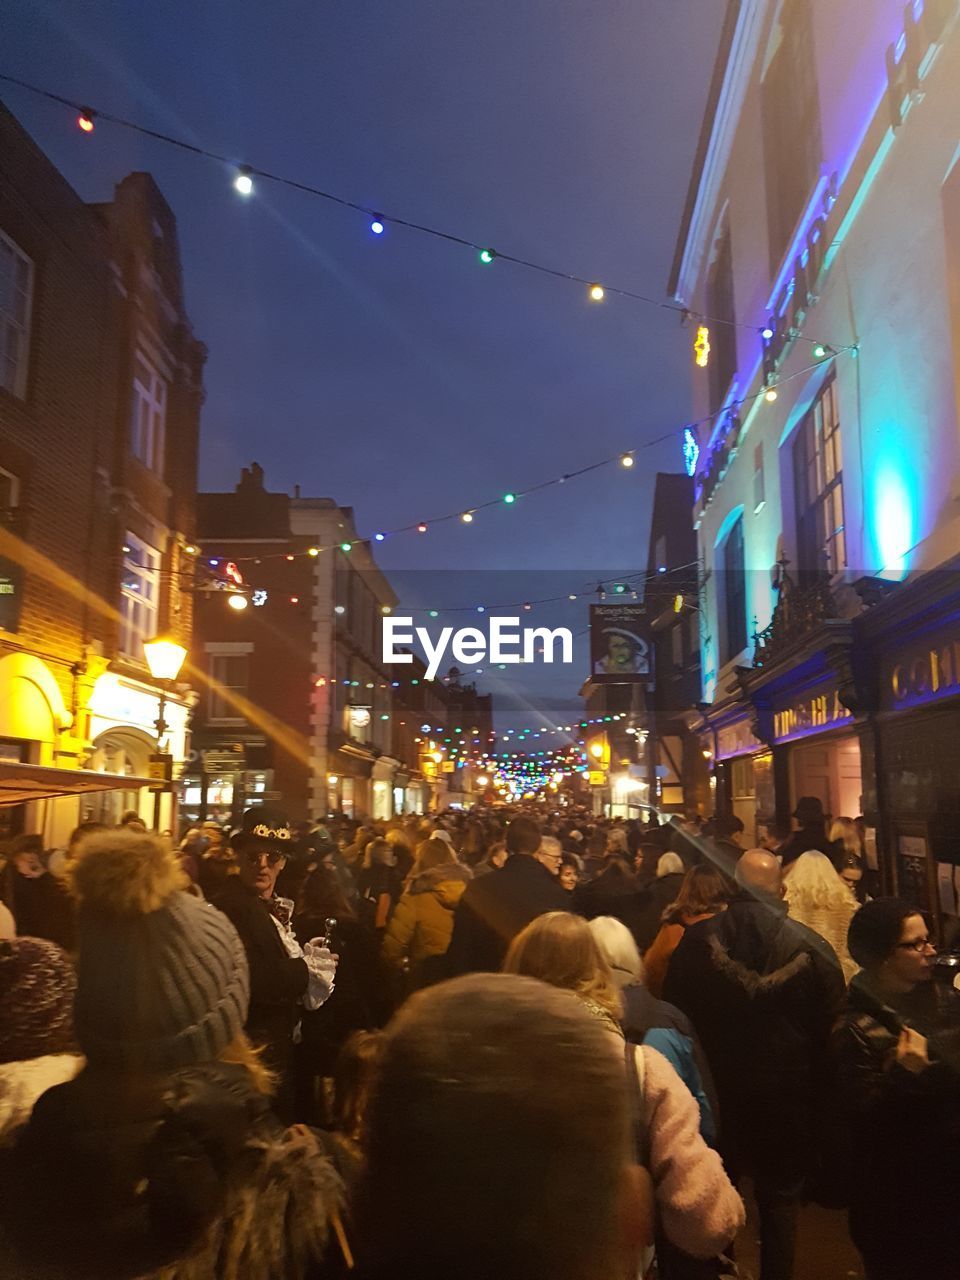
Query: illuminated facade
{"type": "Point", "coordinates": [100, 395]}
{"type": "Point", "coordinates": [821, 234]}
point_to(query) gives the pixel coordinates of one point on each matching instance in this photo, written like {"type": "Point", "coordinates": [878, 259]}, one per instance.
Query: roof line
{"type": "Point", "coordinates": [703, 142]}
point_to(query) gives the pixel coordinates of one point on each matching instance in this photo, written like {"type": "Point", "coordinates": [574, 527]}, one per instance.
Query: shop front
{"type": "Point", "coordinates": [122, 724]}
{"type": "Point", "coordinates": [742, 782]}
{"type": "Point", "coordinates": [34, 728]}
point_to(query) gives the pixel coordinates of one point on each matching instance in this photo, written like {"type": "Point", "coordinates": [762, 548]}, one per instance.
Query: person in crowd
{"type": "Point", "coordinates": [492, 860]}
{"type": "Point", "coordinates": [396, 838]}
{"type": "Point", "coordinates": [192, 847]}
{"type": "Point", "coordinates": [774, 834]}
{"type": "Point", "coordinates": [763, 993]}
{"type": "Point", "coordinates": [699, 1210]}
{"type": "Point", "coordinates": [354, 1077]}
{"type": "Point", "coordinates": [819, 898]}
{"type": "Point", "coordinates": [898, 1053]}
{"type": "Point", "coordinates": [37, 1045]}
{"type": "Point", "coordinates": [550, 854]}
{"type": "Point", "coordinates": [379, 884]}
{"type": "Point", "coordinates": [59, 861]}
{"type": "Point", "coordinates": [650, 1021]}
{"type": "Point", "coordinates": [851, 873]}
{"type": "Point", "coordinates": [285, 978]}
{"type": "Point", "coordinates": [495, 908]}
{"type": "Point", "coordinates": [357, 1002]}
{"type": "Point", "coordinates": [218, 864]}
{"type": "Point", "coordinates": [501, 1105]}
{"type": "Point", "coordinates": [847, 850]}
{"type": "Point", "coordinates": [594, 858]}
{"type": "Point", "coordinates": [726, 844]}
{"type": "Point", "coordinates": [161, 1156]}
{"type": "Point", "coordinates": [811, 831]}
{"type": "Point", "coordinates": [703, 892]}
{"type": "Point", "coordinates": [131, 818]}
{"type": "Point", "coordinates": [422, 924]}
{"type": "Point", "coordinates": [685, 838]}
{"type": "Point", "coordinates": [613, 892]}
{"type": "Point", "coordinates": [656, 898]}
{"type": "Point", "coordinates": [38, 901]}
{"type": "Point", "coordinates": [569, 875]}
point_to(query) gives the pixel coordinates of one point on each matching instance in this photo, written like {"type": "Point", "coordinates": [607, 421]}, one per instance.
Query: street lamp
{"type": "Point", "coordinates": [164, 658]}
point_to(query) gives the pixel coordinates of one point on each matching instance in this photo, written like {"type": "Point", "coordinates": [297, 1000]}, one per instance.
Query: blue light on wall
{"type": "Point", "coordinates": [893, 514]}
{"type": "Point", "coordinates": [691, 450]}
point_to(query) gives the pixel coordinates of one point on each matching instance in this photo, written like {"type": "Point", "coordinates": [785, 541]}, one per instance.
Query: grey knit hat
{"type": "Point", "coordinates": [162, 979]}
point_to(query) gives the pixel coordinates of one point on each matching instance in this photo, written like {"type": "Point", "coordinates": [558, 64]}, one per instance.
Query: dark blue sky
{"type": "Point", "coordinates": [397, 375]}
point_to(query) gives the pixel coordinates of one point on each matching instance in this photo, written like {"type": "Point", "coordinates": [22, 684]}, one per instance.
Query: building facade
{"type": "Point", "coordinates": [820, 251]}
{"type": "Point", "coordinates": [100, 397]}
{"type": "Point", "coordinates": [296, 703]}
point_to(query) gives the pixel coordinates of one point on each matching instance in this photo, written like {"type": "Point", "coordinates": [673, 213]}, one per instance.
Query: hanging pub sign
{"type": "Point", "coordinates": [11, 594]}
{"type": "Point", "coordinates": [620, 646]}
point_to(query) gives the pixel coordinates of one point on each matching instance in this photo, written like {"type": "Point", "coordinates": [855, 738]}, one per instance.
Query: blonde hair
{"type": "Point", "coordinates": [559, 949]}
{"type": "Point", "coordinates": [812, 883]}
{"type": "Point", "coordinates": [844, 831]}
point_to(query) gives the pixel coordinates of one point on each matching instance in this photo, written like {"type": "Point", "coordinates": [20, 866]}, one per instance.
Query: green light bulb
{"type": "Point", "coordinates": [509, 498]}
{"type": "Point", "coordinates": [487, 256]}
{"type": "Point", "coordinates": [346, 546]}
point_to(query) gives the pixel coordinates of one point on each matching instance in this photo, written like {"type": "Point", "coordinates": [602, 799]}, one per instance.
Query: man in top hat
{"type": "Point", "coordinates": [811, 833]}
{"type": "Point", "coordinates": [284, 978]}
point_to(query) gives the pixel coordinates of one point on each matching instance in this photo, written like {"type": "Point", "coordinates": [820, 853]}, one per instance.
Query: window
{"type": "Point", "coordinates": [759, 485]}
{"type": "Point", "coordinates": [818, 485]}
{"type": "Point", "coordinates": [722, 321]}
{"type": "Point", "coordinates": [148, 414]}
{"type": "Point", "coordinates": [732, 590]}
{"type": "Point", "coordinates": [16, 296]}
{"type": "Point", "coordinates": [791, 128]}
{"type": "Point", "coordinates": [229, 672]}
{"type": "Point", "coordinates": [139, 596]}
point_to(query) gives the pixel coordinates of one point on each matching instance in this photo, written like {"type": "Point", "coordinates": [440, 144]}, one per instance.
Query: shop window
{"type": "Point", "coordinates": [732, 594]}
{"type": "Point", "coordinates": [148, 414]}
{"type": "Point", "coordinates": [722, 319]}
{"type": "Point", "coordinates": [818, 485]}
{"type": "Point", "coordinates": [229, 673]}
{"type": "Point", "coordinates": [791, 128]}
{"type": "Point", "coordinates": [16, 300]}
{"type": "Point", "coordinates": [139, 596]}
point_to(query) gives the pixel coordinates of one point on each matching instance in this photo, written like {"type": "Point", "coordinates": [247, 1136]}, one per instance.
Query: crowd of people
{"type": "Point", "coordinates": [489, 1044]}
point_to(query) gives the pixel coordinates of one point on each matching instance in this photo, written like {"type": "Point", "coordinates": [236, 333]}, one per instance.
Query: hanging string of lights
{"type": "Point", "coordinates": [379, 222]}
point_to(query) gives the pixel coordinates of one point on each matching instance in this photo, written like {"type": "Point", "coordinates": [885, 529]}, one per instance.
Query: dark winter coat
{"type": "Point", "coordinates": [41, 906]}
{"type": "Point", "coordinates": [615, 892]}
{"type": "Point", "coordinates": [184, 1176]}
{"type": "Point", "coordinates": [660, 895]}
{"type": "Point", "coordinates": [763, 993]}
{"type": "Point", "coordinates": [495, 908]}
{"type": "Point", "coordinates": [905, 1184]}
{"type": "Point", "coordinates": [802, 841]}
{"type": "Point", "coordinates": [276, 980]}
{"type": "Point", "coordinates": [356, 1002]}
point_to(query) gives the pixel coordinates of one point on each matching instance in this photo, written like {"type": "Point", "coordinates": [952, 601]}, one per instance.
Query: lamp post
{"type": "Point", "coordinates": [165, 657]}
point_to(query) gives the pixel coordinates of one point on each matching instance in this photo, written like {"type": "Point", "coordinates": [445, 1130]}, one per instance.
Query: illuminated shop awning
{"type": "Point", "coordinates": [22, 782]}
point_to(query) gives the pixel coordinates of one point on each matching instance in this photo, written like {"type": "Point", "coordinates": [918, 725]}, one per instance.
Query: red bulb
{"type": "Point", "coordinates": [85, 121]}
{"type": "Point", "coordinates": [294, 599]}
{"type": "Point", "coordinates": [421, 528]}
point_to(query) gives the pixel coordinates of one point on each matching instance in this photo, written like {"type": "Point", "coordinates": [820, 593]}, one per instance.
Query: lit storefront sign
{"type": "Point", "coordinates": [814, 712]}
{"type": "Point", "coordinates": [922, 674]}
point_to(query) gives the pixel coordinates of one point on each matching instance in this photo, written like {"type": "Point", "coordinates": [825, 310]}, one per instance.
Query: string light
{"type": "Point", "coordinates": [346, 546]}
{"type": "Point", "coordinates": [377, 226]}
{"type": "Point", "coordinates": [244, 185]}
{"type": "Point", "coordinates": [421, 527]}
{"type": "Point", "coordinates": [701, 346]}
{"type": "Point", "coordinates": [766, 334]}
{"type": "Point", "coordinates": [379, 537]}
{"type": "Point", "coordinates": [509, 499]}
{"type": "Point", "coordinates": [237, 601]}
{"type": "Point", "coordinates": [467, 517]}
{"type": "Point", "coordinates": [770, 394]}
{"type": "Point", "coordinates": [627, 460]}
{"type": "Point", "coordinates": [313, 551]}
{"type": "Point", "coordinates": [85, 120]}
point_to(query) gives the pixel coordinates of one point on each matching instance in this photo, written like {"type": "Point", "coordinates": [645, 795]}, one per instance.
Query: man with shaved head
{"type": "Point", "coordinates": [763, 993]}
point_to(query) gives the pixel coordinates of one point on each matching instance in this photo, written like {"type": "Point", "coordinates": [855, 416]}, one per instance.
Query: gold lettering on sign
{"type": "Point", "coordinates": [937, 671]}
{"type": "Point", "coordinates": [819, 711]}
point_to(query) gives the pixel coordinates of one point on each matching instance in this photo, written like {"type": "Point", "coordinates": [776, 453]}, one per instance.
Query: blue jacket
{"type": "Point", "coordinates": [647, 1020]}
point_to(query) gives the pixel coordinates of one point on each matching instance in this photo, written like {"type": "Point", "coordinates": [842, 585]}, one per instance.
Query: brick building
{"type": "Point", "coordinates": [298, 705]}
{"type": "Point", "coordinates": [100, 395]}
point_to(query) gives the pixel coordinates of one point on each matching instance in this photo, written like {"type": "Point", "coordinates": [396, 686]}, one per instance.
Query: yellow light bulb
{"type": "Point", "coordinates": [771, 394]}
{"type": "Point", "coordinates": [596, 292]}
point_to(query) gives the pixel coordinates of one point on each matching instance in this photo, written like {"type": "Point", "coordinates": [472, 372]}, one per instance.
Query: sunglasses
{"type": "Point", "coordinates": [273, 856]}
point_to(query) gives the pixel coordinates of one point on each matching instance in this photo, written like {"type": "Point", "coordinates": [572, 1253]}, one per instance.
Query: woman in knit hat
{"type": "Point", "coordinates": [161, 1156]}
{"type": "Point", "coordinates": [898, 1050]}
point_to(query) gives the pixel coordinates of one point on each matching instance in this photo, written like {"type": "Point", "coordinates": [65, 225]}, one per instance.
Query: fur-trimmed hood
{"type": "Point", "coordinates": [755, 946]}
{"type": "Point", "coordinates": [447, 882]}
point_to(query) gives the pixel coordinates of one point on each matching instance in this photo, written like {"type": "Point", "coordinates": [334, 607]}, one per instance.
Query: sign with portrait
{"type": "Point", "coordinates": [621, 649]}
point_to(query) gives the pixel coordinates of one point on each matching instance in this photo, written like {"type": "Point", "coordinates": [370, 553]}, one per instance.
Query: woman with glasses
{"type": "Point", "coordinates": [898, 1051]}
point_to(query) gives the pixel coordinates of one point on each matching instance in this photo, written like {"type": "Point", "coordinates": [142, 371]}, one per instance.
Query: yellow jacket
{"type": "Point", "coordinates": [422, 922]}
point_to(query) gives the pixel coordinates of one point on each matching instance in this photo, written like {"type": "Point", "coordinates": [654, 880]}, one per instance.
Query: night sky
{"type": "Point", "coordinates": [396, 374]}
